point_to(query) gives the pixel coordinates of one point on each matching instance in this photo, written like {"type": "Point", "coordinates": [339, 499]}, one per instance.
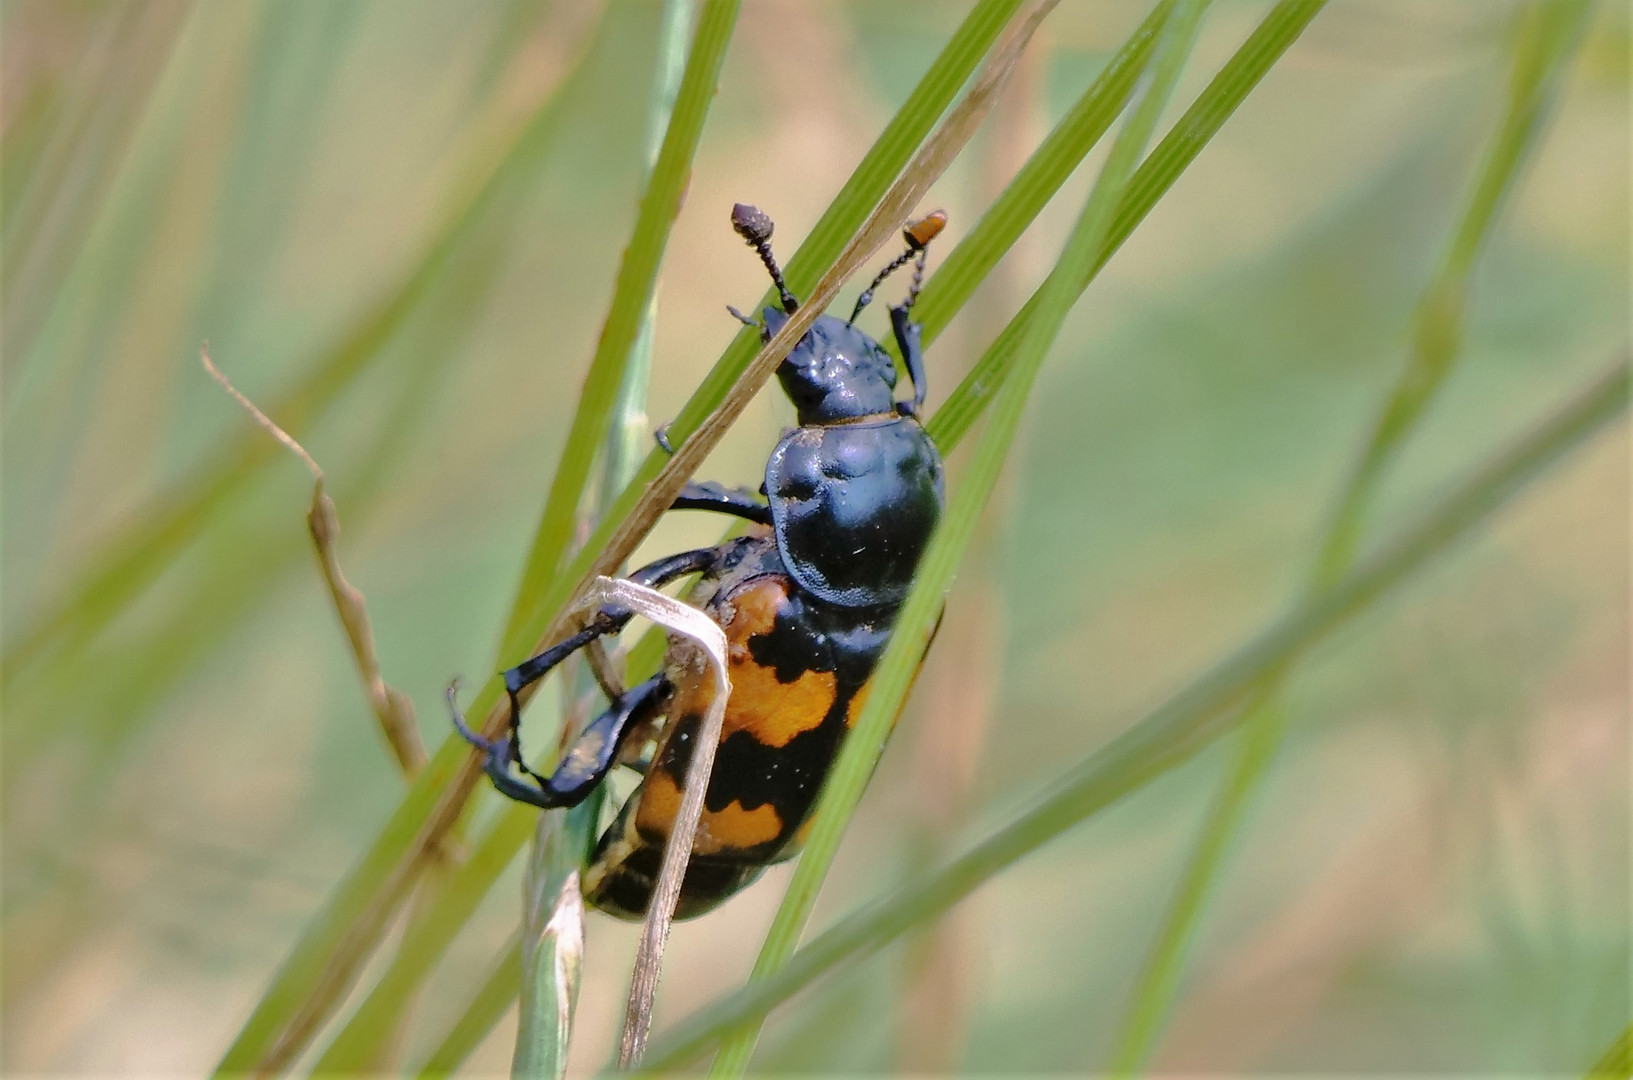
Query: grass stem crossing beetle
{"type": "Point", "coordinates": [807, 600]}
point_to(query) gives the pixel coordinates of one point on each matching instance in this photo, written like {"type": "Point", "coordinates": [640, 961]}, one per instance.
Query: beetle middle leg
{"type": "Point", "coordinates": [502, 752]}
{"type": "Point", "coordinates": [723, 500]}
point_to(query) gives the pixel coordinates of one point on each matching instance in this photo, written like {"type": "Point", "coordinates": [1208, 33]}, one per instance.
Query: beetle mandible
{"type": "Point", "coordinates": [807, 600]}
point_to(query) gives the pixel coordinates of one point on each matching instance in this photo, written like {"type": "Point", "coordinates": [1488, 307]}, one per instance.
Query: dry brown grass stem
{"type": "Point", "coordinates": [392, 708]}
{"type": "Point", "coordinates": [710, 639]}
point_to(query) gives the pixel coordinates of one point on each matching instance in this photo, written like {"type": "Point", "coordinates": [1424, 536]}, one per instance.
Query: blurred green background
{"type": "Point", "coordinates": [1437, 876]}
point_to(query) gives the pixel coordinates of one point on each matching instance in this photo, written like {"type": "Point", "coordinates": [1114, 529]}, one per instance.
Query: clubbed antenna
{"type": "Point", "coordinates": [754, 225]}
{"type": "Point", "coordinates": [918, 235]}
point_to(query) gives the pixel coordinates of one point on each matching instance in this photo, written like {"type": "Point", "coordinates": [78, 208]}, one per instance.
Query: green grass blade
{"type": "Point", "coordinates": [368, 1029]}
{"type": "Point", "coordinates": [552, 952]}
{"type": "Point", "coordinates": [549, 998]}
{"type": "Point", "coordinates": [559, 839]}
{"type": "Point", "coordinates": [1549, 32]}
{"type": "Point", "coordinates": [890, 682]}
{"type": "Point", "coordinates": [882, 163]}
{"type": "Point", "coordinates": [637, 275]}
{"type": "Point", "coordinates": [1206, 115]}
{"type": "Point", "coordinates": [1617, 1061]}
{"type": "Point", "coordinates": [1054, 161]}
{"type": "Point", "coordinates": [627, 437]}
{"type": "Point", "coordinates": [1173, 733]}
{"type": "Point", "coordinates": [1544, 47]}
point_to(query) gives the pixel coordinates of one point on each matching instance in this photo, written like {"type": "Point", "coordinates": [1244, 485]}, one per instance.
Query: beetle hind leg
{"type": "Point", "coordinates": [593, 754]}
{"type": "Point", "coordinates": [583, 765]}
{"type": "Point", "coordinates": [497, 755]}
{"type": "Point", "coordinates": [566, 788]}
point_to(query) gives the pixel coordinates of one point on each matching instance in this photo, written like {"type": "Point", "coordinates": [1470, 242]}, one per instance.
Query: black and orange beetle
{"type": "Point", "coordinates": [807, 600]}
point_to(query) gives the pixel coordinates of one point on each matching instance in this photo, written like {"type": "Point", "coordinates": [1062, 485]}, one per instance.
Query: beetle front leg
{"type": "Point", "coordinates": [532, 670]}
{"type": "Point", "coordinates": [910, 340]}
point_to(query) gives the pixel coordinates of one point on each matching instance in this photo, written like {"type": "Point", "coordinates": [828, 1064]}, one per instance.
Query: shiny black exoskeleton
{"type": "Point", "coordinates": [807, 601]}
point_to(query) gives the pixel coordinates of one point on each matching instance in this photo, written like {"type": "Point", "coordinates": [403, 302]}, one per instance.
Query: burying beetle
{"type": "Point", "coordinates": [807, 600]}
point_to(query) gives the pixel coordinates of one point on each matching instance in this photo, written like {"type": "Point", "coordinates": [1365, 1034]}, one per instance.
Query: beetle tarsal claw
{"type": "Point", "coordinates": [452, 696]}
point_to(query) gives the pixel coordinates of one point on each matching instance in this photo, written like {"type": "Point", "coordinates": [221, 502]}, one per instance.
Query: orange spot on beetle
{"type": "Point", "coordinates": [733, 828]}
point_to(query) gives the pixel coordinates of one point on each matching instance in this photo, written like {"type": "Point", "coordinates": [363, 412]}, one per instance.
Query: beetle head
{"type": "Point", "coordinates": [835, 373]}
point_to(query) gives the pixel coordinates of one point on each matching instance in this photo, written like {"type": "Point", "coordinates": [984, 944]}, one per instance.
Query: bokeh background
{"type": "Point", "coordinates": [1437, 876]}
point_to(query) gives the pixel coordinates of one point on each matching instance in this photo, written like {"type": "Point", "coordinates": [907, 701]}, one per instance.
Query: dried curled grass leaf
{"type": "Point", "coordinates": [392, 708]}
{"type": "Point", "coordinates": [689, 622]}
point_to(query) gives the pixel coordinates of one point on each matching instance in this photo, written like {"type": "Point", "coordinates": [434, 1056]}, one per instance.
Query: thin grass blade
{"type": "Point", "coordinates": [551, 963]}
{"type": "Point", "coordinates": [1617, 1061]}
{"type": "Point", "coordinates": [1206, 115]}
{"type": "Point", "coordinates": [330, 959]}
{"type": "Point", "coordinates": [1054, 161]}
{"type": "Point", "coordinates": [559, 844]}
{"type": "Point", "coordinates": [866, 186]}
{"type": "Point", "coordinates": [1548, 34]}
{"type": "Point", "coordinates": [632, 294]}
